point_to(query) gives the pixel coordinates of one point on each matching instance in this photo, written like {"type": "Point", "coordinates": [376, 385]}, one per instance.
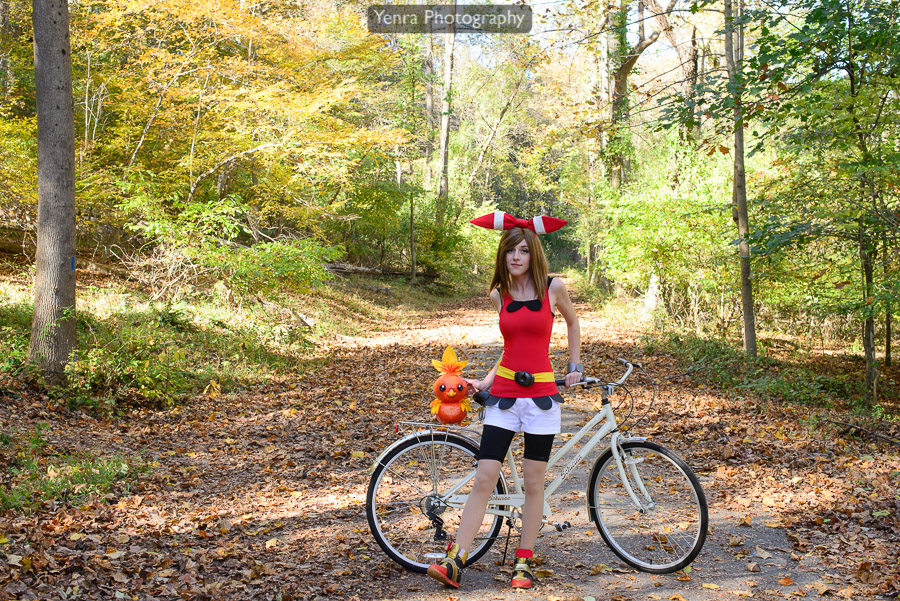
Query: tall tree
{"type": "Point", "coordinates": [446, 108]}
{"type": "Point", "coordinates": [6, 71]}
{"type": "Point", "coordinates": [689, 64]}
{"type": "Point", "coordinates": [622, 59]}
{"type": "Point", "coordinates": [734, 60]}
{"type": "Point", "coordinates": [428, 76]}
{"type": "Point", "coordinates": [53, 324]}
{"type": "Point", "coordinates": [826, 91]}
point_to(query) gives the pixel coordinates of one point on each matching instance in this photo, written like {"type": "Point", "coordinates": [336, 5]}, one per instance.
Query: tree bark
{"type": "Point", "coordinates": [412, 231]}
{"type": "Point", "coordinates": [739, 188]}
{"type": "Point", "coordinates": [7, 77]}
{"type": "Point", "coordinates": [53, 323]}
{"type": "Point", "coordinates": [868, 334]}
{"type": "Point", "coordinates": [687, 60]}
{"type": "Point", "coordinates": [690, 89]}
{"type": "Point", "coordinates": [428, 68]}
{"type": "Point", "coordinates": [412, 237]}
{"type": "Point", "coordinates": [613, 61]}
{"type": "Point", "coordinates": [490, 139]}
{"type": "Point", "coordinates": [623, 61]}
{"type": "Point", "coordinates": [446, 107]}
{"type": "Point", "coordinates": [888, 306]}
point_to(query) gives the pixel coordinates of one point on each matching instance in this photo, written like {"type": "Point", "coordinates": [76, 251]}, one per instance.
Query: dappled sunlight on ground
{"type": "Point", "coordinates": [263, 492]}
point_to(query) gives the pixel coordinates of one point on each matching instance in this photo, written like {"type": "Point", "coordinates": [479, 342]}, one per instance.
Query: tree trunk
{"type": "Point", "coordinates": [739, 189]}
{"type": "Point", "coordinates": [688, 61]}
{"type": "Point", "coordinates": [868, 333]}
{"type": "Point", "coordinates": [428, 67]}
{"type": "Point", "coordinates": [412, 231]}
{"type": "Point", "coordinates": [412, 237]}
{"type": "Point", "coordinates": [6, 72]}
{"type": "Point", "coordinates": [690, 89]}
{"type": "Point", "coordinates": [651, 298]}
{"type": "Point", "coordinates": [888, 306]}
{"type": "Point", "coordinates": [53, 324]}
{"type": "Point", "coordinates": [622, 60]}
{"type": "Point", "coordinates": [490, 139]}
{"type": "Point", "coordinates": [614, 60]}
{"type": "Point", "coordinates": [446, 106]}
{"type": "Point", "coordinates": [590, 263]}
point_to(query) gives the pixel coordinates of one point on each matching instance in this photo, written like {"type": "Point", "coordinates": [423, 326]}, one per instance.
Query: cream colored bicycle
{"type": "Point", "coordinates": [644, 499]}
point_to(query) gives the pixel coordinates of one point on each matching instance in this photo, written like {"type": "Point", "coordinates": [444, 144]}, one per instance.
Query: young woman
{"type": "Point", "coordinates": [527, 300]}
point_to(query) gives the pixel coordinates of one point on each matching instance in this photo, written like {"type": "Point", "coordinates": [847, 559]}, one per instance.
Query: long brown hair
{"type": "Point", "coordinates": [538, 267]}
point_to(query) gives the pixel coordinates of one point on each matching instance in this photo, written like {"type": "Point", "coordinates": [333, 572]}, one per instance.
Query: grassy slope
{"type": "Point", "coordinates": [134, 350]}
{"type": "Point", "coordinates": [786, 370]}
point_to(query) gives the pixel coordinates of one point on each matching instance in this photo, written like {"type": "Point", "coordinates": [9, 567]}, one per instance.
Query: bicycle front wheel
{"type": "Point", "coordinates": [666, 532]}
{"type": "Point", "coordinates": [407, 504]}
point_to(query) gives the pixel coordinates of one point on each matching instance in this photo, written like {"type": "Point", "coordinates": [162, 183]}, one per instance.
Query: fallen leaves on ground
{"type": "Point", "coordinates": [266, 490]}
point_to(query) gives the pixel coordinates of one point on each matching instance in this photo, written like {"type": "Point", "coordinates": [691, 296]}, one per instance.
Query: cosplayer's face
{"type": "Point", "coordinates": [518, 259]}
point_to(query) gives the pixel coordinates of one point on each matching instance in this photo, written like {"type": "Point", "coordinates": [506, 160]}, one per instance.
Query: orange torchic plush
{"type": "Point", "coordinates": [451, 390]}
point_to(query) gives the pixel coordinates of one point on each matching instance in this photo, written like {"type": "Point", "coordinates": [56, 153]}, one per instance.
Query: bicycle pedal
{"type": "Point", "coordinates": [560, 527]}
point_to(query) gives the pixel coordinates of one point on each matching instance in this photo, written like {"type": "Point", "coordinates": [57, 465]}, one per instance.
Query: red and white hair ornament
{"type": "Point", "coordinates": [498, 220]}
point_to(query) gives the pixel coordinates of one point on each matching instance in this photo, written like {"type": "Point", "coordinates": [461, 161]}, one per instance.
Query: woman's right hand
{"type": "Point", "coordinates": [474, 386]}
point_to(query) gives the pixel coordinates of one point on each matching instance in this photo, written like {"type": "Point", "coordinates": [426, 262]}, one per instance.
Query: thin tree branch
{"type": "Point", "coordinates": [224, 162]}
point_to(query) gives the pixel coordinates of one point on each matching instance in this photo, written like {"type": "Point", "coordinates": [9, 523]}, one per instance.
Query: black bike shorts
{"type": "Point", "coordinates": [495, 442]}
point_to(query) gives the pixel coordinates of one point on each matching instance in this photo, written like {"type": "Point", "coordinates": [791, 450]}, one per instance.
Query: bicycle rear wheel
{"type": "Point", "coordinates": [668, 532]}
{"type": "Point", "coordinates": [406, 504]}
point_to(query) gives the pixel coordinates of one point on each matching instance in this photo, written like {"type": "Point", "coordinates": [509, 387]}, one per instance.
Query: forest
{"type": "Point", "coordinates": [212, 204]}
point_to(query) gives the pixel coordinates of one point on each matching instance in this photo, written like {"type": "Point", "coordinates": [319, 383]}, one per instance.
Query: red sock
{"type": "Point", "coordinates": [524, 553]}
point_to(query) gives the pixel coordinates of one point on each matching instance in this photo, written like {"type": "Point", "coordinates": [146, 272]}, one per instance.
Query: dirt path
{"type": "Point", "coordinates": [260, 496]}
{"type": "Point", "coordinates": [576, 562]}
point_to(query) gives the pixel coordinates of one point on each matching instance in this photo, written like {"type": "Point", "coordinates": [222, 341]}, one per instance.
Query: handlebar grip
{"type": "Point", "coordinates": [583, 380]}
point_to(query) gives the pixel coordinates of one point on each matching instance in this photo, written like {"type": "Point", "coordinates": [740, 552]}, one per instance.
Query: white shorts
{"type": "Point", "coordinates": [525, 416]}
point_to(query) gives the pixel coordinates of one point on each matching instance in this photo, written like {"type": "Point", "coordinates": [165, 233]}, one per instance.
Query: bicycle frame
{"type": "Point", "coordinates": [636, 526]}
{"type": "Point", "coordinates": [515, 500]}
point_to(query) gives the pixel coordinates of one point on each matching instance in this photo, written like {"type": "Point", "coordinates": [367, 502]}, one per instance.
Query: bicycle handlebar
{"type": "Point", "coordinates": [621, 380]}
{"type": "Point", "coordinates": [482, 395]}
{"type": "Point", "coordinates": [589, 381]}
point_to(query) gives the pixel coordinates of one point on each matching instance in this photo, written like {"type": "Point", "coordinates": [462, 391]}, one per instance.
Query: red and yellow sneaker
{"type": "Point", "coordinates": [449, 570]}
{"type": "Point", "coordinates": [522, 574]}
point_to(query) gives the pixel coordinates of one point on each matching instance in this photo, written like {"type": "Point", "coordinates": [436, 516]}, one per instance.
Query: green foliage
{"type": "Point", "coordinates": [295, 265]}
{"type": "Point", "coordinates": [722, 363]}
{"type": "Point", "coordinates": [132, 350]}
{"type": "Point", "coordinates": [585, 292]}
{"type": "Point", "coordinates": [15, 331]}
{"type": "Point", "coordinates": [678, 231]}
{"type": "Point", "coordinates": [31, 475]}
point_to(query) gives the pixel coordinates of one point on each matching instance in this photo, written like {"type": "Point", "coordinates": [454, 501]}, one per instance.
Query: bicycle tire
{"type": "Point", "coordinates": [670, 533]}
{"type": "Point", "coordinates": [407, 483]}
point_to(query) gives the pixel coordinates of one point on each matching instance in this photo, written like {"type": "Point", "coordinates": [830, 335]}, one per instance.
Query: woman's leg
{"type": "Point", "coordinates": [483, 486]}
{"type": "Point", "coordinates": [449, 570]}
{"type": "Point", "coordinates": [533, 510]}
{"type": "Point", "coordinates": [495, 442]}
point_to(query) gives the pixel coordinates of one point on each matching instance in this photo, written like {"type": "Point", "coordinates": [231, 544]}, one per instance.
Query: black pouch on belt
{"type": "Point", "coordinates": [523, 378]}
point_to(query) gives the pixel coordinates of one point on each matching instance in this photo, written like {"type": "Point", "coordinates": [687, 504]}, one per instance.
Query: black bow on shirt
{"type": "Point", "coordinates": [533, 305]}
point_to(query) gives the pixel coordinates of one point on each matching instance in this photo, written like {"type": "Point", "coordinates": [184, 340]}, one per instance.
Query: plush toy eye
{"type": "Point", "coordinates": [443, 387]}
{"type": "Point", "coordinates": [459, 387]}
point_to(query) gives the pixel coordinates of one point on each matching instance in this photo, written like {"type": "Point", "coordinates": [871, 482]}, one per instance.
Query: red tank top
{"type": "Point", "coordinates": [526, 346]}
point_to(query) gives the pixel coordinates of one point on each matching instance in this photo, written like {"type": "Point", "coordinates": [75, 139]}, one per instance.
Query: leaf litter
{"type": "Point", "coordinates": [265, 491]}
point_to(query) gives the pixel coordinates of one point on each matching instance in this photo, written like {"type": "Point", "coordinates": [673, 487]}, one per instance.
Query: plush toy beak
{"type": "Point", "coordinates": [451, 393]}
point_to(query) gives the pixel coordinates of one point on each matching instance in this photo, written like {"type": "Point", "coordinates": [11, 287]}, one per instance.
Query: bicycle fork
{"type": "Point", "coordinates": [622, 459]}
